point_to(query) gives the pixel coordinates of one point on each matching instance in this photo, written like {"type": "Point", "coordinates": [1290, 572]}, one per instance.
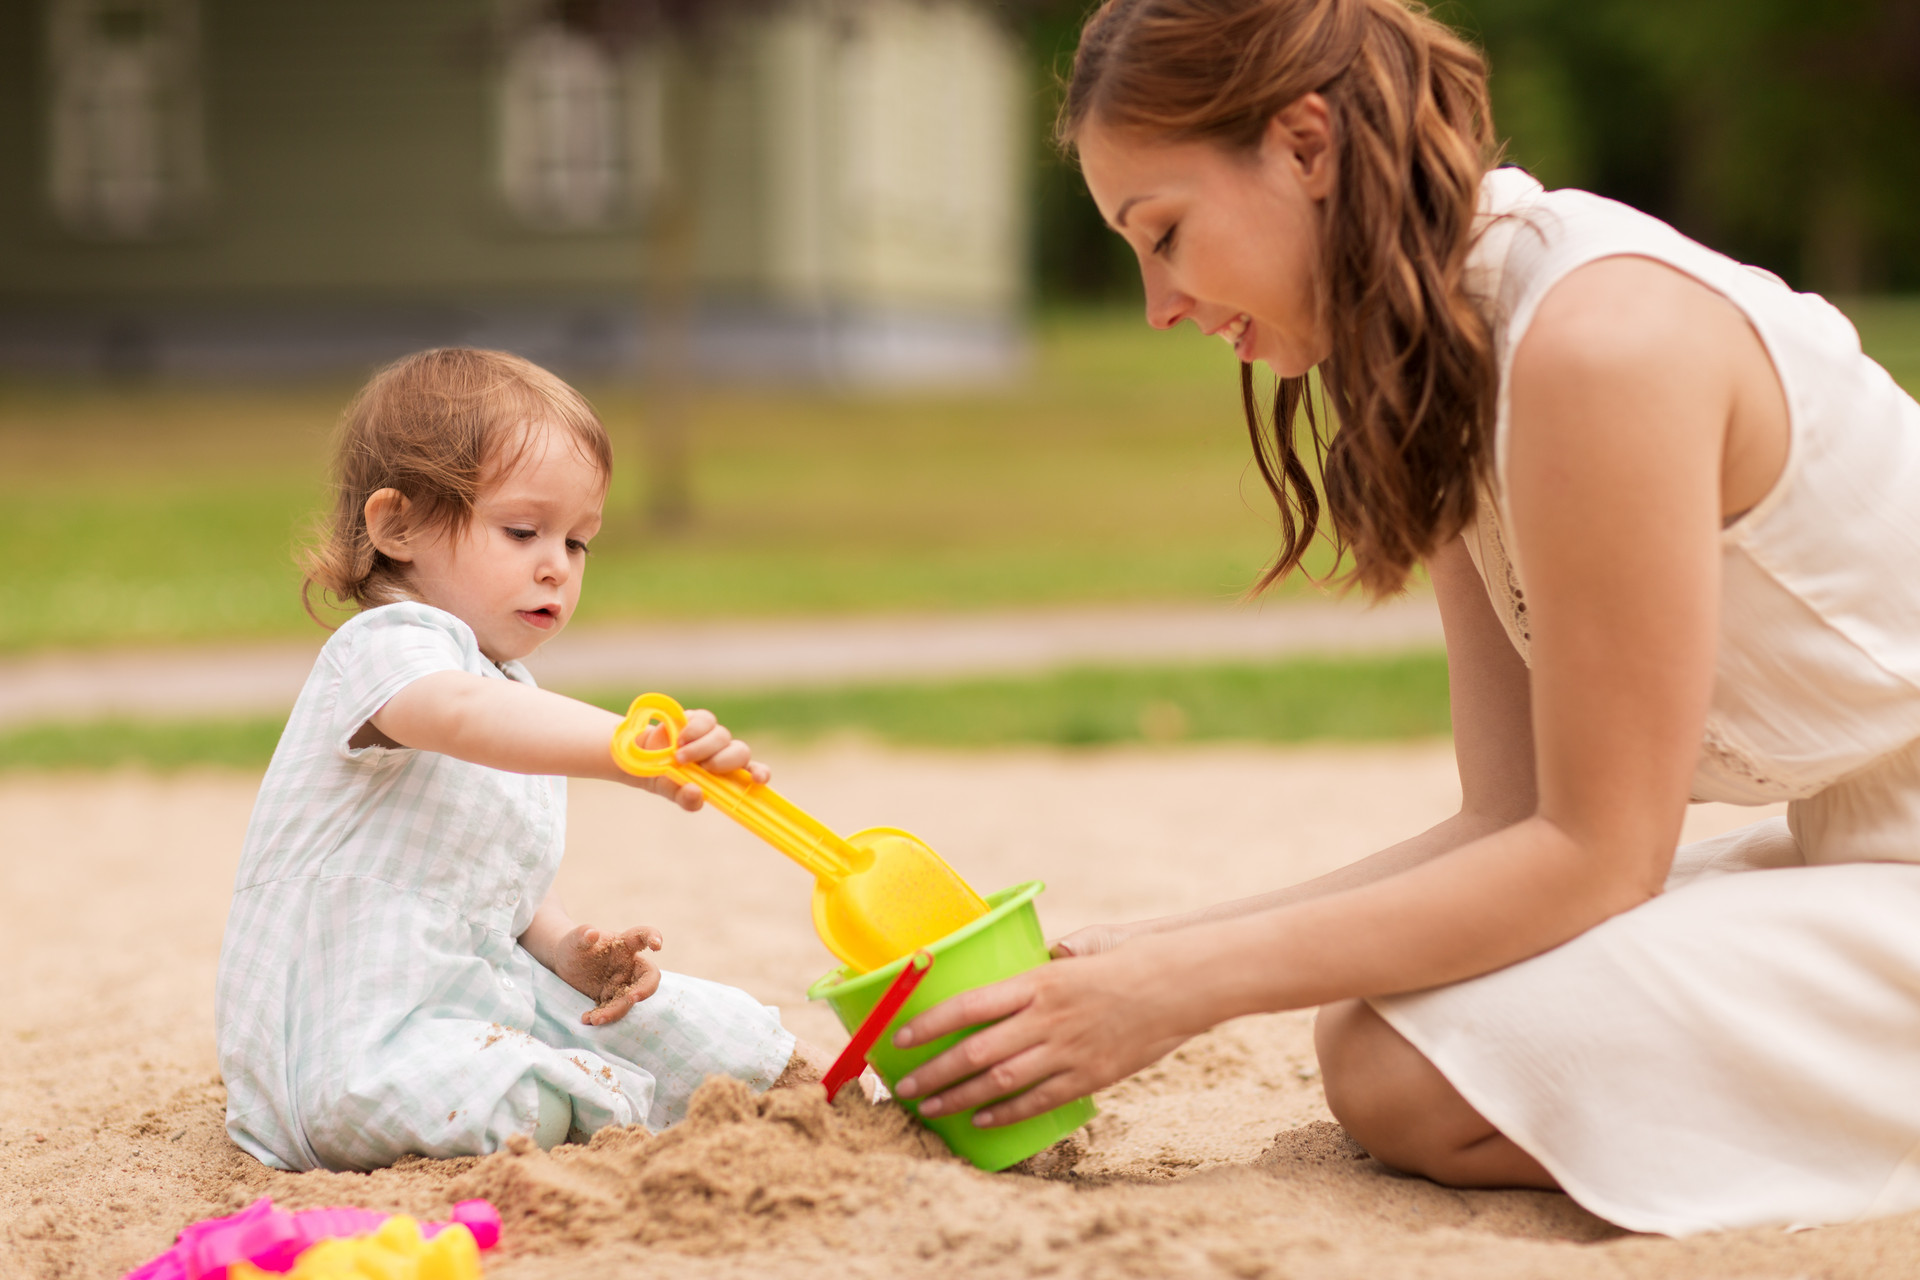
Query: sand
{"type": "Point", "coordinates": [1220, 1161]}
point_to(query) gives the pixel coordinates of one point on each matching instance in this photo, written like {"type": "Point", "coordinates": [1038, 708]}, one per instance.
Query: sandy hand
{"type": "Point", "coordinates": [611, 969]}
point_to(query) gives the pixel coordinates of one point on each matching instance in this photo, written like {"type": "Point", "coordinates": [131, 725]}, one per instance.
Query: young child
{"type": "Point", "coordinates": [396, 976]}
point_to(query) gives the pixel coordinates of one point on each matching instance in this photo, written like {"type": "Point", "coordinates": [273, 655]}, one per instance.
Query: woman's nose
{"type": "Point", "coordinates": [1166, 305]}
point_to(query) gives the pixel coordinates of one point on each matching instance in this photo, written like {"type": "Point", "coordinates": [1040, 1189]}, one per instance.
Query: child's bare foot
{"type": "Point", "coordinates": [610, 969]}
{"type": "Point", "coordinates": [808, 1065]}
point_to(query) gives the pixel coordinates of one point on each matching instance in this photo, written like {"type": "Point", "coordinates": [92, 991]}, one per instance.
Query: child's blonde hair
{"type": "Point", "coordinates": [432, 425]}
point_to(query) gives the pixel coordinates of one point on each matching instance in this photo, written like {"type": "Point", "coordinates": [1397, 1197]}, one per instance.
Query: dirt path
{"type": "Point", "coordinates": [1218, 1162]}
{"type": "Point", "coordinates": [729, 656]}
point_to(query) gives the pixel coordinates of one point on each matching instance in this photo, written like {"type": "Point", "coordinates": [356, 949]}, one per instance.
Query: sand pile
{"type": "Point", "coordinates": [1219, 1161]}
{"type": "Point", "coordinates": [782, 1184]}
{"type": "Point", "coordinates": [785, 1173]}
{"type": "Point", "coordinates": [739, 1166]}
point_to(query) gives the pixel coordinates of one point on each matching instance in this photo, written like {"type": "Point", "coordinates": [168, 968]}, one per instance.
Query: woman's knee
{"type": "Point", "coordinates": [1396, 1104]}
{"type": "Point", "coordinates": [1359, 1068]}
{"type": "Point", "coordinates": [1385, 1092]}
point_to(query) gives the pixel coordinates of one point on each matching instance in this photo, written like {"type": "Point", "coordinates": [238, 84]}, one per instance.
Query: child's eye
{"type": "Point", "coordinates": [523, 535]}
{"type": "Point", "coordinates": [1165, 242]}
{"type": "Point", "coordinates": [574, 544]}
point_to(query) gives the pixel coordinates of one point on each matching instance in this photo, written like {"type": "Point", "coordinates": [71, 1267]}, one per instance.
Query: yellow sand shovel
{"type": "Point", "coordinates": [877, 894]}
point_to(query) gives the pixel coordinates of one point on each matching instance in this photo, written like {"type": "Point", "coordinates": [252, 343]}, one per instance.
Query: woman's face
{"type": "Point", "coordinates": [1228, 240]}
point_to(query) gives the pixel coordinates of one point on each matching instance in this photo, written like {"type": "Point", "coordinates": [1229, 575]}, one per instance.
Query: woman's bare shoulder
{"type": "Point", "coordinates": [1624, 314]}
{"type": "Point", "coordinates": [1666, 360]}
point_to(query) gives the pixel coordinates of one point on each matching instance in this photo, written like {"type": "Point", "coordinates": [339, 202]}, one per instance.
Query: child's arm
{"type": "Point", "coordinates": [612, 970]}
{"type": "Point", "coordinates": [520, 729]}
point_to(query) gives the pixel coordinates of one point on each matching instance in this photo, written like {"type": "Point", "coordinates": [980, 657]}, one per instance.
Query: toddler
{"type": "Point", "coordinates": [396, 976]}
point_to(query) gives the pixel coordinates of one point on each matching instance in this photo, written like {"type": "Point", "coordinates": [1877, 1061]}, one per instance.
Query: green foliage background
{"type": "Point", "coordinates": [1783, 132]}
{"type": "Point", "coordinates": [1339, 700]}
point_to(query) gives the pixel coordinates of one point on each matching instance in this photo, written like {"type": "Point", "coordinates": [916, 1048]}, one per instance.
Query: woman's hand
{"type": "Point", "coordinates": [610, 969]}
{"type": "Point", "coordinates": [707, 743]}
{"type": "Point", "coordinates": [1095, 939]}
{"type": "Point", "coordinates": [1061, 1031]}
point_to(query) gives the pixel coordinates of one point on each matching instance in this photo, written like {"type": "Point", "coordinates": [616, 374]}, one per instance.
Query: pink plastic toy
{"type": "Point", "coordinates": [273, 1239]}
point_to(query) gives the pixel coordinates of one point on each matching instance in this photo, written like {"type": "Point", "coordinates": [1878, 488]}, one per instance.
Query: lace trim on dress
{"type": "Point", "coordinates": [1730, 770]}
{"type": "Point", "coordinates": [1503, 583]}
{"type": "Point", "coordinates": [1516, 603]}
{"type": "Point", "coordinates": [1727, 770]}
{"type": "Point", "coordinates": [1731, 761]}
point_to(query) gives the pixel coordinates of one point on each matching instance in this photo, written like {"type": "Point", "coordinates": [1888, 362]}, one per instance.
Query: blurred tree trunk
{"type": "Point", "coordinates": [670, 307]}
{"type": "Point", "coordinates": [690, 35]}
{"type": "Point", "coordinates": [1702, 129]}
{"type": "Point", "coordinates": [1836, 245]}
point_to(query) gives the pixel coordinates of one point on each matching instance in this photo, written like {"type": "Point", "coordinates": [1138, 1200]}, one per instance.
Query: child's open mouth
{"type": "Point", "coordinates": [542, 618]}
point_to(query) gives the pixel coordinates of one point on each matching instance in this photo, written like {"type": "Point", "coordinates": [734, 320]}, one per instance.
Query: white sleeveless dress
{"type": "Point", "coordinates": [1744, 1049]}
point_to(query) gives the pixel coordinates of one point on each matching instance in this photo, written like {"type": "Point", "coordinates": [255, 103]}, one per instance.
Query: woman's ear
{"type": "Point", "coordinates": [1301, 136]}
{"type": "Point", "coordinates": [387, 530]}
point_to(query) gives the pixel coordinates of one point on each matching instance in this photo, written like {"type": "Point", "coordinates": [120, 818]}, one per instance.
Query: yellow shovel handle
{"type": "Point", "coordinates": [758, 808]}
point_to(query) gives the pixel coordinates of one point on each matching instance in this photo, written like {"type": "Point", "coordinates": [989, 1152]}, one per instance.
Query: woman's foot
{"type": "Point", "coordinates": [556, 1117]}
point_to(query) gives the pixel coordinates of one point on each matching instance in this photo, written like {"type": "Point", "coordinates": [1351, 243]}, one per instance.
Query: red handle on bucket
{"type": "Point", "coordinates": [854, 1056]}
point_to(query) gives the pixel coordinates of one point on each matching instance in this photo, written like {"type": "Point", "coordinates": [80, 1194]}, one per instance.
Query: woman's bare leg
{"type": "Point", "coordinates": [1399, 1107]}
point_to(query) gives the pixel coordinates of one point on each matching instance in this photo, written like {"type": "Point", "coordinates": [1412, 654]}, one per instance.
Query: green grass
{"type": "Point", "coordinates": [1890, 332]}
{"type": "Point", "coordinates": [1361, 699]}
{"type": "Point", "coordinates": [1117, 470]}
{"type": "Point", "coordinates": [166, 745]}
{"type": "Point", "coordinates": [1357, 699]}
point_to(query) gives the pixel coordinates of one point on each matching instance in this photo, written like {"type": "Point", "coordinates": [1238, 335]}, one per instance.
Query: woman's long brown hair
{"type": "Point", "coordinates": [1411, 378]}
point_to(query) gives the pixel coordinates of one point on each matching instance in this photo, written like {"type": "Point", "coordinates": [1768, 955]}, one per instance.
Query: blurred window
{"type": "Point", "coordinates": [562, 149]}
{"type": "Point", "coordinates": [126, 151]}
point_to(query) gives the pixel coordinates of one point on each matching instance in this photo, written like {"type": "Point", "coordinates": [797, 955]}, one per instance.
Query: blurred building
{"type": "Point", "coordinates": [820, 188]}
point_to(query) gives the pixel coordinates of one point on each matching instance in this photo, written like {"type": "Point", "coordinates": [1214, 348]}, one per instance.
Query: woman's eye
{"type": "Point", "coordinates": [1165, 242]}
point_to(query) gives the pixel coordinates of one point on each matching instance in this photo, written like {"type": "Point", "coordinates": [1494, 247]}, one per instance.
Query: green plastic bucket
{"type": "Point", "coordinates": [1005, 941]}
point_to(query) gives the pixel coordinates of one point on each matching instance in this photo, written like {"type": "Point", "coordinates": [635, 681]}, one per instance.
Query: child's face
{"type": "Point", "coordinates": [513, 574]}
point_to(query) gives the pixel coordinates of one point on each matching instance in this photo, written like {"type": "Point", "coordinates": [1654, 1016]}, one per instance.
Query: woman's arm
{"type": "Point", "coordinates": [1623, 394]}
{"type": "Point", "coordinates": [1493, 750]}
{"type": "Point", "coordinates": [520, 729]}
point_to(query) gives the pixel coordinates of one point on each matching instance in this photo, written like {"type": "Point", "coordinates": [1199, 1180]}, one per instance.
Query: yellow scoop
{"type": "Point", "coordinates": [877, 894]}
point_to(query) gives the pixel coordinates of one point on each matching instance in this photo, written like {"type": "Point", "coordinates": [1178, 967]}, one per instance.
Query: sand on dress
{"type": "Point", "coordinates": [1221, 1160]}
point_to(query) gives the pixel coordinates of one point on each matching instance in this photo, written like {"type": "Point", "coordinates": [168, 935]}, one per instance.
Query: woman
{"type": "Point", "coordinates": [1672, 517]}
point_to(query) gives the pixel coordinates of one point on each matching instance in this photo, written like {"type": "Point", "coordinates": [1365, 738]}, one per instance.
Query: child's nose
{"type": "Point", "coordinates": [554, 566]}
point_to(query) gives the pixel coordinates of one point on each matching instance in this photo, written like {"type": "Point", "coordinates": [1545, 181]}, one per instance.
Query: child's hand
{"type": "Point", "coordinates": [707, 743]}
{"type": "Point", "coordinates": [610, 969]}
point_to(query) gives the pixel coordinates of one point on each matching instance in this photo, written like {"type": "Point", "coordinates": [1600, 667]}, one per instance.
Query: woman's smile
{"type": "Point", "coordinates": [1238, 333]}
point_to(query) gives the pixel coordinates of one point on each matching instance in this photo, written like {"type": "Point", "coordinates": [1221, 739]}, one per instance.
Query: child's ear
{"type": "Point", "coordinates": [386, 513]}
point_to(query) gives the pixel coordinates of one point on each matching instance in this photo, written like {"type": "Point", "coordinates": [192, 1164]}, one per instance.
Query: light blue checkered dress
{"type": "Point", "coordinates": [373, 1000]}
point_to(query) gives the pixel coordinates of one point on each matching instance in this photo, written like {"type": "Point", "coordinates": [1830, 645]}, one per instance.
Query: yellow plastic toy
{"type": "Point", "coordinates": [394, 1252]}
{"type": "Point", "coordinates": [877, 894]}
